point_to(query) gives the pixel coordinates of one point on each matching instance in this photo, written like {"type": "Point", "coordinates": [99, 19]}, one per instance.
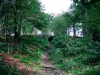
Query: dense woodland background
{"type": "Point", "coordinates": [75, 35]}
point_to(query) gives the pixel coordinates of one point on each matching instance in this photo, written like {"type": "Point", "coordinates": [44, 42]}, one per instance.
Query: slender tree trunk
{"type": "Point", "coordinates": [15, 22]}
{"type": "Point", "coordinates": [84, 31]}
{"type": "Point", "coordinates": [74, 31]}
{"type": "Point", "coordinates": [19, 28]}
{"type": "Point", "coordinates": [5, 22]}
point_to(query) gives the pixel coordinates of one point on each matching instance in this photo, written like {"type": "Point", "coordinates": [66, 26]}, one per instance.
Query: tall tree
{"type": "Point", "coordinates": [59, 26]}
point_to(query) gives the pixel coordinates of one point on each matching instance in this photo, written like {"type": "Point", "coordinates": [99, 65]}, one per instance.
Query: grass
{"type": "Point", "coordinates": [29, 61]}
{"type": "Point", "coordinates": [92, 72]}
{"type": "Point", "coordinates": [30, 56]}
{"type": "Point", "coordinates": [17, 56]}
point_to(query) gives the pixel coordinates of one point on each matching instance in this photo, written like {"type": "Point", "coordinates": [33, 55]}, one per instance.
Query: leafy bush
{"type": "Point", "coordinates": [70, 47]}
{"type": "Point", "coordinates": [70, 65]}
{"type": "Point", "coordinates": [34, 52]}
{"type": "Point", "coordinates": [79, 54]}
{"type": "Point", "coordinates": [27, 61]}
{"type": "Point", "coordinates": [37, 41]}
{"type": "Point", "coordinates": [60, 41]}
{"type": "Point", "coordinates": [31, 61]}
{"type": "Point", "coordinates": [94, 54]}
{"type": "Point", "coordinates": [92, 72]}
{"type": "Point", "coordinates": [57, 55]}
{"type": "Point", "coordinates": [16, 56]}
{"type": "Point", "coordinates": [7, 70]}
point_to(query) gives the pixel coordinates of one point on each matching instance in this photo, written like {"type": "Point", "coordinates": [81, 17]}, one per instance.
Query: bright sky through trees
{"type": "Point", "coordinates": [56, 6]}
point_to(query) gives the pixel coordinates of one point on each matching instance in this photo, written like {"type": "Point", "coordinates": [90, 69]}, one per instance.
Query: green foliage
{"type": "Point", "coordinates": [39, 42]}
{"type": "Point", "coordinates": [34, 52]}
{"type": "Point", "coordinates": [27, 60]}
{"type": "Point", "coordinates": [58, 25]}
{"type": "Point", "coordinates": [27, 15]}
{"type": "Point", "coordinates": [74, 55]}
{"type": "Point", "coordinates": [8, 48]}
{"type": "Point", "coordinates": [70, 65]}
{"type": "Point", "coordinates": [70, 47]}
{"type": "Point", "coordinates": [16, 56]}
{"type": "Point", "coordinates": [92, 72]}
{"type": "Point", "coordinates": [94, 54]}
{"type": "Point", "coordinates": [4, 48]}
{"type": "Point", "coordinates": [57, 55]}
{"type": "Point", "coordinates": [7, 70]}
{"type": "Point", "coordinates": [31, 61]}
{"type": "Point", "coordinates": [59, 41]}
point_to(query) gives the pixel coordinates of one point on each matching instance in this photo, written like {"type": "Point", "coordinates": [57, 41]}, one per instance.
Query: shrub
{"type": "Point", "coordinates": [70, 47]}
{"type": "Point", "coordinates": [39, 42]}
{"type": "Point", "coordinates": [7, 70]}
{"type": "Point", "coordinates": [92, 72]}
{"type": "Point", "coordinates": [94, 54]}
{"type": "Point", "coordinates": [57, 55]}
{"type": "Point", "coordinates": [80, 53]}
{"type": "Point", "coordinates": [16, 56]}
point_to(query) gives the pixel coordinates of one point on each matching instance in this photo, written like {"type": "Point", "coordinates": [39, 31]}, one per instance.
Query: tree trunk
{"type": "Point", "coordinates": [19, 28]}
{"type": "Point", "coordinates": [84, 31]}
{"type": "Point", "coordinates": [74, 31]}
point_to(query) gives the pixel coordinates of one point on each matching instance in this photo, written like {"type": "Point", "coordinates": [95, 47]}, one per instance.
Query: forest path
{"type": "Point", "coordinates": [48, 68]}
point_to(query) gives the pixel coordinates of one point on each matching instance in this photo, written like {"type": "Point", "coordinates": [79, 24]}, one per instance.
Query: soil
{"type": "Point", "coordinates": [16, 63]}
{"type": "Point", "coordinates": [48, 68]}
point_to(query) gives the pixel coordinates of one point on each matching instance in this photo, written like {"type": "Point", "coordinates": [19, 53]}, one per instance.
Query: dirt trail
{"type": "Point", "coordinates": [48, 68]}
